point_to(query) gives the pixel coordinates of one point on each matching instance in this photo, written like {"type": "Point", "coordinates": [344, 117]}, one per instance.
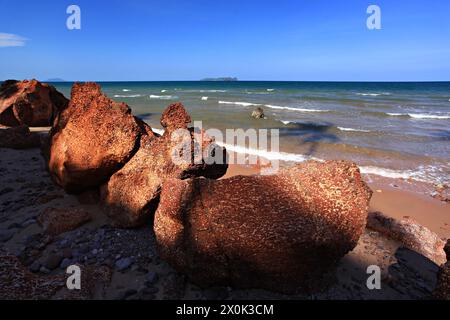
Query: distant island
{"type": "Point", "coordinates": [220, 79]}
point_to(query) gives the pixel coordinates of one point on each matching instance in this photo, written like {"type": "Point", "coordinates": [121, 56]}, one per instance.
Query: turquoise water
{"type": "Point", "coordinates": [399, 130]}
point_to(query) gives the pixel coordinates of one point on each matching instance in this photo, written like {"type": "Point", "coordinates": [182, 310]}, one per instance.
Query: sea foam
{"type": "Point", "coordinates": [153, 96]}
{"type": "Point", "coordinates": [127, 95]}
{"type": "Point", "coordinates": [249, 104]}
{"type": "Point", "coordinates": [352, 130]}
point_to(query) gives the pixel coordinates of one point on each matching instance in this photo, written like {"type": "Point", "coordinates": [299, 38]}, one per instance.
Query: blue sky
{"type": "Point", "coordinates": [316, 40]}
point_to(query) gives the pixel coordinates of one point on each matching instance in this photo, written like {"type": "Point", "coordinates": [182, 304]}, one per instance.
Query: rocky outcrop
{"type": "Point", "coordinates": [92, 139]}
{"type": "Point", "coordinates": [411, 234]}
{"type": "Point", "coordinates": [132, 193]}
{"type": "Point", "coordinates": [19, 138]}
{"type": "Point", "coordinates": [442, 291]}
{"type": "Point", "coordinates": [279, 232]}
{"type": "Point", "coordinates": [30, 103]}
{"type": "Point", "coordinates": [56, 221]}
{"type": "Point", "coordinates": [17, 283]}
{"type": "Point", "coordinates": [258, 113]}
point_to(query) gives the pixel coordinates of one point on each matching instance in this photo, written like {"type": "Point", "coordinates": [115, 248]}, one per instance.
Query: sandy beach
{"type": "Point", "coordinates": [137, 272]}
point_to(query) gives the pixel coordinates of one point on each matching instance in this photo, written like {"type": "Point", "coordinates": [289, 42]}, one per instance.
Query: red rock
{"type": "Point", "coordinates": [91, 139]}
{"type": "Point", "coordinates": [411, 234]}
{"type": "Point", "coordinates": [279, 232]}
{"type": "Point", "coordinates": [442, 291]}
{"type": "Point", "coordinates": [17, 283]}
{"type": "Point", "coordinates": [56, 221]}
{"type": "Point", "coordinates": [132, 193]}
{"type": "Point", "coordinates": [30, 103]}
{"type": "Point", "coordinates": [19, 138]}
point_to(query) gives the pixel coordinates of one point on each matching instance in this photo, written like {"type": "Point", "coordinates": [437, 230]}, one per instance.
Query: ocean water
{"type": "Point", "coordinates": [397, 130]}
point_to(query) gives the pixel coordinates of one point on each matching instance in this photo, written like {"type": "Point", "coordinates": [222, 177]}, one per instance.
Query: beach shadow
{"type": "Point", "coordinates": [310, 133]}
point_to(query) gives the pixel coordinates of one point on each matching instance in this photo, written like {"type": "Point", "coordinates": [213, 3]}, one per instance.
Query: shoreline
{"type": "Point", "coordinates": [405, 274]}
{"type": "Point", "coordinates": [395, 197]}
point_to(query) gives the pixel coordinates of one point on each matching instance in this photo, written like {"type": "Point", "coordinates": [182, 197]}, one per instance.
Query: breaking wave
{"type": "Point", "coordinates": [153, 96]}
{"type": "Point", "coordinates": [248, 104]}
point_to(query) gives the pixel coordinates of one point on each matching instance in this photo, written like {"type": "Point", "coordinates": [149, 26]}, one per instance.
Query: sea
{"type": "Point", "coordinates": [397, 130]}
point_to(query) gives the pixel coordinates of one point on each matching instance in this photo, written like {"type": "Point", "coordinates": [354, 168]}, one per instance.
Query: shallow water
{"type": "Point", "coordinates": [399, 130]}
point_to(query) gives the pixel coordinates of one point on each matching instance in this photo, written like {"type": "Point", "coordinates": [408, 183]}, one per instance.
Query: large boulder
{"type": "Point", "coordinates": [19, 138]}
{"type": "Point", "coordinates": [131, 195]}
{"type": "Point", "coordinates": [411, 234]}
{"type": "Point", "coordinates": [30, 103]}
{"type": "Point", "coordinates": [91, 139]}
{"type": "Point", "coordinates": [280, 232]}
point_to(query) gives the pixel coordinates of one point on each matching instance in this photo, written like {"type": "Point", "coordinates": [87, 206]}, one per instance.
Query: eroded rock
{"type": "Point", "coordinates": [30, 103]}
{"type": "Point", "coordinates": [56, 221]}
{"type": "Point", "coordinates": [92, 139]}
{"type": "Point", "coordinates": [279, 232]}
{"type": "Point", "coordinates": [132, 193]}
{"type": "Point", "coordinates": [411, 234]}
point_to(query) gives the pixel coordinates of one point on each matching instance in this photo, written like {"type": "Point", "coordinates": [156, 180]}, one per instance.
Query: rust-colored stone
{"type": "Point", "coordinates": [442, 291]}
{"type": "Point", "coordinates": [132, 193]}
{"type": "Point", "coordinates": [30, 103]}
{"type": "Point", "coordinates": [56, 221]}
{"type": "Point", "coordinates": [411, 234]}
{"type": "Point", "coordinates": [279, 232]}
{"type": "Point", "coordinates": [91, 139]}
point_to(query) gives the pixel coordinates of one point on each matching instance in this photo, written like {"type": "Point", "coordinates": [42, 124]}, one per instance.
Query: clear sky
{"type": "Point", "coordinates": [317, 40]}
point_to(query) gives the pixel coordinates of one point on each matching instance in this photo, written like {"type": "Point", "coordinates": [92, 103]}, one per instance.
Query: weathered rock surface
{"type": "Point", "coordinates": [30, 103]}
{"type": "Point", "coordinates": [56, 221]}
{"type": "Point", "coordinates": [19, 138]}
{"type": "Point", "coordinates": [279, 232]}
{"type": "Point", "coordinates": [132, 193]}
{"type": "Point", "coordinates": [413, 235]}
{"type": "Point", "coordinates": [17, 283]}
{"type": "Point", "coordinates": [442, 291]}
{"type": "Point", "coordinates": [258, 113]}
{"type": "Point", "coordinates": [92, 139]}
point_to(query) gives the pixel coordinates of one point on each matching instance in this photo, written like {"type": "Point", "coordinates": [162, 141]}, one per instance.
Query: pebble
{"type": "Point", "coordinates": [123, 264]}
{"type": "Point", "coordinates": [35, 266]}
{"type": "Point", "coordinates": [151, 278]}
{"type": "Point", "coordinates": [28, 223]}
{"type": "Point", "coordinates": [44, 270]}
{"type": "Point", "coordinates": [65, 263]}
{"type": "Point", "coordinates": [53, 261]}
{"type": "Point", "coordinates": [6, 235]}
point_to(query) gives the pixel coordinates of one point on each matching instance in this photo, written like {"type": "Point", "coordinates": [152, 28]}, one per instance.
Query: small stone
{"type": "Point", "coordinates": [65, 263]}
{"type": "Point", "coordinates": [258, 113]}
{"type": "Point", "coordinates": [28, 222]}
{"type": "Point", "coordinates": [67, 253]}
{"type": "Point", "coordinates": [6, 235]}
{"type": "Point", "coordinates": [14, 225]}
{"type": "Point", "coordinates": [6, 190]}
{"type": "Point", "coordinates": [44, 270]}
{"type": "Point", "coordinates": [123, 264]}
{"type": "Point", "coordinates": [53, 261]}
{"type": "Point", "coordinates": [151, 278]}
{"type": "Point", "coordinates": [35, 266]}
